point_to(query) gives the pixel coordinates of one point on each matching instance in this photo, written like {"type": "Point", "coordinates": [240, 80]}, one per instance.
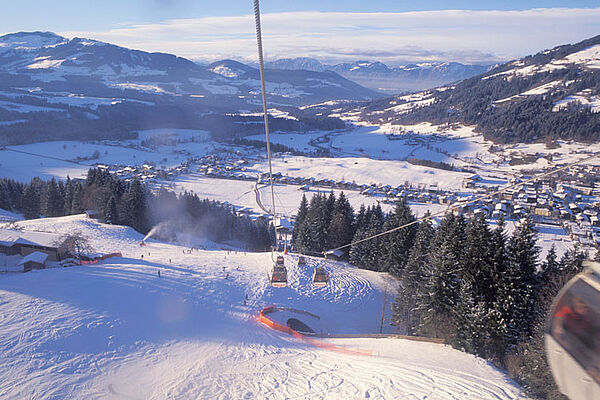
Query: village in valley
{"type": "Point", "coordinates": [565, 206]}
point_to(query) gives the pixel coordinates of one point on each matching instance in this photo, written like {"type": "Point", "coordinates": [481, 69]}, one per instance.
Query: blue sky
{"type": "Point", "coordinates": [62, 15]}
{"type": "Point", "coordinates": [331, 30]}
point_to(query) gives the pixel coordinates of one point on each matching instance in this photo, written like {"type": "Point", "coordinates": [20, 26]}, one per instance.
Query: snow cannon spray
{"type": "Point", "coordinates": [152, 231]}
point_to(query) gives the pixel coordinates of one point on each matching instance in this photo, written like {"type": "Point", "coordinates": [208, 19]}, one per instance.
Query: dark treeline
{"type": "Point", "coordinates": [437, 164]}
{"type": "Point", "coordinates": [122, 121]}
{"type": "Point", "coordinates": [480, 289]}
{"type": "Point", "coordinates": [259, 144]}
{"type": "Point", "coordinates": [329, 222]}
{"type": "Point", "coordinates": [229, 126]}
{"type": "Point", "coordinates": [132, 204]}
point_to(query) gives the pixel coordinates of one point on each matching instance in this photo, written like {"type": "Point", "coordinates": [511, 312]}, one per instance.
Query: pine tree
{"type": "Point", "coordinates": [395, 246]}
{"type": "Point", "coordinates": [31, 202]}
{"type": "Point", "coordinates": [499, 308]}
{"type": "Point", "coordinates": [302, 240]}
{"type": "Point", "coordinates": [4, 201]}
{"type": "Point", "coordinates": [135, 207]}
{"type": "Point", "coordinates": [571, 262]}
{"type": "Point", "coordinates": [366, 254]}
{"type": "Point", "coordinates": [68, 196]}
{"type": "Point", "coordinates": [341, 227]}
{"type": "Point", "coordinates": [444, 277]}
{"type": "Point", "coordinates": [300, 218]}
{"type": "Point", "coordinates": [76, 206]}
{"type": "Point", "coordinates": [360, 220]}
{"type": "Point", "coordinates": [329, 208]}
{"type": "Point", "coordinates": [549, 267]}
{"type": "Point", "coordinates": [53, 202]}
{"type": "Point", "coordinates": [520, 283]}
{"type": "Point", "coordinates": [379, 214]}
{"type": "Point", "coordinates": [111, 214]}
{"type": "Point", "coordinates": [316, 235]}
{"type": "Point", "coordinates": [413, 280]}
{"type": "Point", "coordinates": [470, 319]}
{"type": "Point", "coordinates": [478, 260]}
{"type": "Point", "coordinates": [62, 193]}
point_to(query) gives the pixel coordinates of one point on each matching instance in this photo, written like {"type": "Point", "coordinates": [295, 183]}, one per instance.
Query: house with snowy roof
{"type": "Point", "coordinates": [35, 260]}
{"type": "Point", "coordinates": [24, 243]}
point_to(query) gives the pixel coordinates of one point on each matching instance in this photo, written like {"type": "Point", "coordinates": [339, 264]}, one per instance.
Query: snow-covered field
{"type": "Point", "coordinates": [366, 171]}
{"type": "Point", "coordinates": [450, 146]}
{"type": "Point", "coordinates": [62, 158]}
{"type": "Point", "coordinates": [287, 197]}
{"type": "Point", "coordinates": [118, 331]}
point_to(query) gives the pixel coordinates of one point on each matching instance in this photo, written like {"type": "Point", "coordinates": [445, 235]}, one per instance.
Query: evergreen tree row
{"type": "Point", "coordinates": [132, 204]}
{"type": "Point", "coordinates": [323, 224]}
{"type": "Point", "coordinates": [329, 222]}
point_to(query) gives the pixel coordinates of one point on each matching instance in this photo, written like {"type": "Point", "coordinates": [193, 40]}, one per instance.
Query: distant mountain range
{"type": "Point", "coordinates": [48, 59]}
{"type": "Point", "coordinates": [87, 87]}
{"type": "Point", "coordinates": [380, 77]}
{"type": "Point", "coordinates": [54, 88]}
{"type": "Point", "coordinates": [554, 94]}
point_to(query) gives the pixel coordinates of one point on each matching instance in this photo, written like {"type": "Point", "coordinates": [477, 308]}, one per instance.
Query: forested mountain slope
{"type": "Point", "coordinates": [55, 88]}
{"type": "Point", "coordinates": [554, 94]}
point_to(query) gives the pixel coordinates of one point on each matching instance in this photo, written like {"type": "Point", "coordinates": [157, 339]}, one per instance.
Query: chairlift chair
{"type": "Point", "coordinates": [320, 276]}
{"type": "Point", "coordinates": [279, 276]}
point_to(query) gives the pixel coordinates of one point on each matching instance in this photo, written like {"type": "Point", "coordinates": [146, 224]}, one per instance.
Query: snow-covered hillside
{"type": "Point", "coordinates": [52, 68]}
{"type": "Point", "coordinates": [118, 330]}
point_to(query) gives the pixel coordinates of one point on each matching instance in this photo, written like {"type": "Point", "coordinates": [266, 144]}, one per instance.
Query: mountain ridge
{"type": "Point", "coordinates": [381, 77]}
{"type": "Point", "coordinates": [92, 89]}
{"type": "Point", "coordinates": [553, 94]}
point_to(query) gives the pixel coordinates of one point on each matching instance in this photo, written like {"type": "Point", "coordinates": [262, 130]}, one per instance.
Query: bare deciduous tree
{"type": "Point", "coordinates": [75, 244]}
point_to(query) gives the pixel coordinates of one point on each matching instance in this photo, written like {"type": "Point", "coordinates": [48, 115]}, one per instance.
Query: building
{"type": "Point", "coordinates": [470, 181]}
{"type": "Point", "coordinates": [543, 211]}
{"type": "Point", "coordinates": [35, 260]}
{"type": "Point", "coordinates": [23, 243]}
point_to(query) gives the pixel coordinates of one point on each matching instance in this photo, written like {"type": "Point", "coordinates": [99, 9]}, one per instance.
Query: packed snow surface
{"type": "Point", "coordinates": [119, 331]}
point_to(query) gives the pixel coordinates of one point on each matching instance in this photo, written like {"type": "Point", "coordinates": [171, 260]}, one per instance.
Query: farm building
{"type": "Point", "coordinates": [15, 242]}
{"type": "Point", "coordinates": [35, 260]}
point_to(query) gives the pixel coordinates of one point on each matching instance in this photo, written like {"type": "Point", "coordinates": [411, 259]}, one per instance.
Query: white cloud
{"type": "Point", "coordinates": [453, 35]}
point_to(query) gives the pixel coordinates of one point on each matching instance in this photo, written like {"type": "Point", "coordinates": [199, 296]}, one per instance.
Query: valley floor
{"type": "Point", "coordinates": [119, 331]}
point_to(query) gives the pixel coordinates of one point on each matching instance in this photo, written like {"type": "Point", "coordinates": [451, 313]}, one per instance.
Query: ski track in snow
{"type": "Point", "coordinates": [117, 331]}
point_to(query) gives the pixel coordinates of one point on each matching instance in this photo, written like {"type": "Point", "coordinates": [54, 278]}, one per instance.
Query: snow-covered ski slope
{"type": "Point", "coordinates": [118, 331]}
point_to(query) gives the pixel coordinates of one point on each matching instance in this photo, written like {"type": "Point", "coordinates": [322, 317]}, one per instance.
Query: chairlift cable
{"type": "Point", "coordinates": [285, 212]}
{"type": "Point", "coordinates": [264, 98]}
